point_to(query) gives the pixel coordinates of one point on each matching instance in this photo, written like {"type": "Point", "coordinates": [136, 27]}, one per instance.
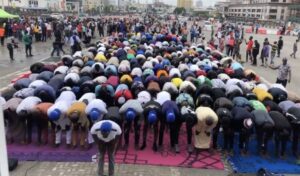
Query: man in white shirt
{"type": "Point", "coordinates": [106, 134]}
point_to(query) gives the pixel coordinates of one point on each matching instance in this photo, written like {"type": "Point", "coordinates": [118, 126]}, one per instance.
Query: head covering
{"type": "Point", "coordinates": [106, 127]}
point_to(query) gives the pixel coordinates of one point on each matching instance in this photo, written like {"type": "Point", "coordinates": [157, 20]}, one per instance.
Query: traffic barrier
{"type": "Point", "coordinates": [262, 31]}
{"type": "Point", "coordinates": [249, 30]}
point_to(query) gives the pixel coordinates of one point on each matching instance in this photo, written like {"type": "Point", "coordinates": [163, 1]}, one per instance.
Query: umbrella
{"type": "Point", "coordinates": [4, 14]}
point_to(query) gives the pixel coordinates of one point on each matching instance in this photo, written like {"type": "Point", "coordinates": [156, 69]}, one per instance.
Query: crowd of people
{"type": "Point", "coordinates": [151, 79]}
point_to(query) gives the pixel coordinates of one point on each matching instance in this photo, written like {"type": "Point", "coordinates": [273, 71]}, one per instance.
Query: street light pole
{"type": "Point", "coordinates": [3, 4]}
{"type": "Point", "coordinates": [3, 149]}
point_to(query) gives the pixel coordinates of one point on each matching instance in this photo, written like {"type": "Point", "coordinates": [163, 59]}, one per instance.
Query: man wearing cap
{"type": "Point", "coordinates": [293, 115]}
{"type": "Point", "coordinates": [242, 123]}
{"type": "Point", "coordinates": [284, 72]}
{"type": "Point", "coordinates": [106, 134]}
{"type": "Point", "coordinates": [282, 129]}
{"type": "Point", "coordinates": [131, 111]}
{"type": "Point", "coordinates": [171, 114]}
{"type": "Point", "coordinates": [152, 113]}
{"type": "Point", "coordinates": [79, 123]}
{"type": "Point", "coordinates": [264, 125]}
{"type": "Point", "coordinates": [95, 111]}
{"type": "Point", "coordinates": [57, 116]}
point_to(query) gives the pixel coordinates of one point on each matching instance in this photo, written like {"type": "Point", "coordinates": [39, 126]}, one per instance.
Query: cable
{"type": "Point", "coordinates": [34, 165]}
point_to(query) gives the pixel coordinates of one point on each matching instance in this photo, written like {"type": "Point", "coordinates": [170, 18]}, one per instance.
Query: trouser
{"type": "Point", "coordinates": [263, 136]}
{"type": "Point", "coordinates": [278, 52]}
{"type": "Point", "coordinates": [11, 53]}
{"type": "Point", "coordinates": [80, 34]}
{"type": "Point", "coordinates": [174, 131]}
{"type": "Point", "coordinates": [282, 82]}
{"type": "Point", "coordinates": [101, 34]}
{"type": "Point", "coordinates": [44, 37]}
{"type": "Point", "coordinates": [230, 50]}
{"type": "Point", "coordinates": [28, 50]}
{"type": "Point", "coordinates": [27, 136]}
{"type": "Point", "coordinates": [145, 132]}
{"type": "Point", "coordinates": [255, 59]}
{"type": "Point", "coordinates": [248, 54]}
{"type": "Point", "coordinates": [215, 135]}
{"type": "Point", "coordinates": [294, 54]}
{"type": "Point", "coordinates": [244, 139]}
{"type": "Point", "coordinates": [127, 127]}
{"type": "Point", "coordinates": [296, 134]}
{"type": "Point", "coordinates": [110, 147]}
{"type": "Point", "coordinates": [272, 58]}
{"type": "Point", "coordinates": [2, 40]}
{"type": "Point", "coordinates": [280, 143]}
{"type": "Point", "coordinates": [228, 136]}
{"type": "Point", "coordinates": [58, 134]}
{"type": "Point", "coordinates": [79, 132]}
{"type": "Point", "coordinates": [55, 48]}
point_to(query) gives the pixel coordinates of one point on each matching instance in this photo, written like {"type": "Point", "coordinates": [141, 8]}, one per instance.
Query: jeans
{"type": "Point", "coordinates": [28, 50]}
{"type": "Point", "coordinates": [249, 54]}
{"type": "Point", "coordinates": [272, 58]}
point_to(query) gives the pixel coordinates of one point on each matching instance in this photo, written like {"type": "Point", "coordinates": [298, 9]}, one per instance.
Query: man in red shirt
{"type": "Point", "coordinates": [249, 49]}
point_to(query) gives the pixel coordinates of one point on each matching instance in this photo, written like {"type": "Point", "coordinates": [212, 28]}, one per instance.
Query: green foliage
{"type": "Point", "coordinates": [179, 10]}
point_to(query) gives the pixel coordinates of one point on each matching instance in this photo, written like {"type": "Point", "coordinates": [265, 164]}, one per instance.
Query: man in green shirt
{"type": "Point", "coordinates": [27, 40]}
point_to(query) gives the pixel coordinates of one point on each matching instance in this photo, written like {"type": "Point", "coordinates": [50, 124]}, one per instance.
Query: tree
{"type": "Point", "coordinates": [179, 10]}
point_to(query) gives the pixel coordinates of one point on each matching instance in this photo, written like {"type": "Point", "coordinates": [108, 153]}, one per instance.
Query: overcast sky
{"type": "Point", "coordinates": [206, 3]}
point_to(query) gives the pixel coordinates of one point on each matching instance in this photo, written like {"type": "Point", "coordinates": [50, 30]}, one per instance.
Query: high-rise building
{"type": "Point", "coordinates": [199, 4]}
{"type": "Point", "coordinates": [264, 10]}
{"type": "Point", "coordinates": [187, 4]}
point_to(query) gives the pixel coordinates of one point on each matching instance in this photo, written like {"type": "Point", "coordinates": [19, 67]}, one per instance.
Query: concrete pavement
{"type": "Point", "coordinates": [90, 169]}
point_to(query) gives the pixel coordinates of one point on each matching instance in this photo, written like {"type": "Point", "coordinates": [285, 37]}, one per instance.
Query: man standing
{"type": "Point", "coordinates": [284, 73]}
{"type": "Point", "coordinates": [106, 134]}
{"type": "Point", "coordinates": [280, 45]}
{"type": "Point", "coordinates": [295, 49]}
{"type": "Point", "coordinates": [2, 35]}
{"type": "Point", "coordinates": [249, 49]}
{"type": "Point", "coordinates": [27, 40]}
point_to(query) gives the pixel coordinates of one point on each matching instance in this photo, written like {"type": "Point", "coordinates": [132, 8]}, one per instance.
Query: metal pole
{"type": "Point", "coordinates": [3, 149]}
{"type": "Point", "coordinates": [3, 4]}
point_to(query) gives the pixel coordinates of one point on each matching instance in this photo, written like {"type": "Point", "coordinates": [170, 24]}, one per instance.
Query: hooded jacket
{"type": "Point", "coordinates": [82, 118]}
{"type": "Point", "coordinates": [223, 102]}
{"type": "Point", "coordinates": [49, 95]}
{"type": "Point", "coordinates": [133, 104]}
{"type": "Point", "coordinates": [261, 117]}
{"type": "Point", "coordinates": [203, 131]}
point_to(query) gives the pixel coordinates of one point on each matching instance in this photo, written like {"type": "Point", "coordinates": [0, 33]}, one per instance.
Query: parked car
{"type": "Point", "coordinates": [295, 32]}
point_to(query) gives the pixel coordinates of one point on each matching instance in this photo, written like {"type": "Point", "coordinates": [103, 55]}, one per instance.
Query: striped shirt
{"type": "Point", "coordinates": [274, 48]}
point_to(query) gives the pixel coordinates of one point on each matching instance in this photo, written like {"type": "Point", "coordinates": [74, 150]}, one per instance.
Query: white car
{"type": "Point", "coordinates": [295, 32]}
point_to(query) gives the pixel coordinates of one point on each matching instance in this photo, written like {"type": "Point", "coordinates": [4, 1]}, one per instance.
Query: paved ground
{"type": "Point", "coordinates": [42, 51]}
{"type": "Point", "coordinates": [89, 169]}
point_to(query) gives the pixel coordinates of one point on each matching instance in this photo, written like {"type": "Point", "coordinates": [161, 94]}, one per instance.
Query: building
{"type": "Point", "coordinates": [263, 10]}
{"type": "Point", "coordinates": [294, 11]}
{"type": "Point", "coordinates": [187, 4]}
{"type": "Point", "coordinates": [199, 4]}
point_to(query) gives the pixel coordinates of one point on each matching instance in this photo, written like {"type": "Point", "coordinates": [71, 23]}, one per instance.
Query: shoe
{"type": "Point", "coordinates": [30, 55]}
